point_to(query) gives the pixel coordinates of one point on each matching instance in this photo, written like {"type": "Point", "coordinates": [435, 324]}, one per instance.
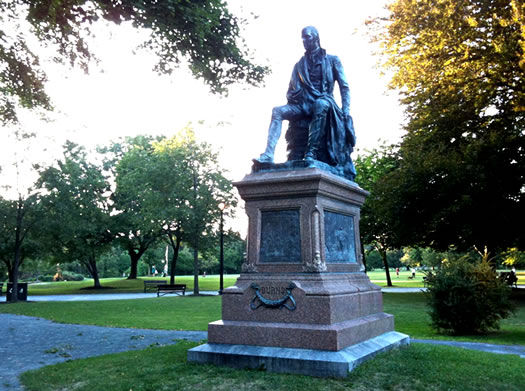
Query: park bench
{"type": "Point", "coordinates": [164, 289]}
{"type": "Point", "coordinates": [152, 284]}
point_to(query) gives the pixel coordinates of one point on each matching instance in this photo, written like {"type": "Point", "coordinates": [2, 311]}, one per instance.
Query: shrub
{"type": "Point", "coordinates": [466, 297]}
{"type": "Point", "coordinates": [71, 276]}
{"type": "Point", "coordinates": [46, 278]}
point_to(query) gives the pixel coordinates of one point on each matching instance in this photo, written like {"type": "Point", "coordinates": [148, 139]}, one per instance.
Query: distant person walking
{"type": "Point", "coordinates": [413, 272]}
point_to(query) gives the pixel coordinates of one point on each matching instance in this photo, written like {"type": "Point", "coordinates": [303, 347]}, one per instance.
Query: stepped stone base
{"type": "Point", "coordinates": [299, 335]}
{"type": "Point", "coordinates": [303, 303]}
{"type": "Point", "coordinates": [320, 363]}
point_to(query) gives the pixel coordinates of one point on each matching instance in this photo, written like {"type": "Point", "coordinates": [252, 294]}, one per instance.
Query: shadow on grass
{"type": "Point", "coordinates": [98, 288]}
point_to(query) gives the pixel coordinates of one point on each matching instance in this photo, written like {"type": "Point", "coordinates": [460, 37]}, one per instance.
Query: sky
{"type": "Point", "coordinates": [124, 97]}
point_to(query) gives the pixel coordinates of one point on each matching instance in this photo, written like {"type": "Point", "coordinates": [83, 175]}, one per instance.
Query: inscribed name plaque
{"type": "Point", "coordinates": [280, 237]}
{"type": "Point", "coordinates": [339, 238]}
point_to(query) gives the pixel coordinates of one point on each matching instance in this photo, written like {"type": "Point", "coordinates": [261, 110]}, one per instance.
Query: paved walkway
{"type": "Point", "coordinates": [484, 347]}
{"type": "Point", "coordinates": [106, 296]}
{"type": "Point", "coordinates": [129, 296]}
{"type": "Point", "coordinates": [30, 343]}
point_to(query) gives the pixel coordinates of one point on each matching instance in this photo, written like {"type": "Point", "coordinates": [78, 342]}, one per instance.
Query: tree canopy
{"type": "Point", "coordinates": [379, 223]}
{"type": "Point", "coordinates": [203, 33]}
{"type": "Point", "coordinates": [134, 233]}
{"type": "Point", "coordinates": [174, 186]}
{"type": "Point", "coordinates": [459, 66]}
{"type": "Point", "coordinates": [78, 222]}
{"type": "Point", "coordinates": [18, 219]}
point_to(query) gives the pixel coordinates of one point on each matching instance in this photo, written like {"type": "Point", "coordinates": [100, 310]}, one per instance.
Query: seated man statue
{"type": "Point", "coordinates": [330, 134]}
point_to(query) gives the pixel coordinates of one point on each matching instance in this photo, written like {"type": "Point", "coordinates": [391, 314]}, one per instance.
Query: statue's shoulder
{"type": "Point", "coordinates": [301, 61]}
{"type": "Point", "coordinates": [333, 58]}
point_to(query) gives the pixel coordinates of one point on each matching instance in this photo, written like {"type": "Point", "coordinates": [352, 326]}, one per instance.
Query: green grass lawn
{"type": "Point", "coordinates": [195, 312]}
{"type": "Point", "coordinates": [416, 367]}
{"type": "Point", "coordinates": [208, 283]}
{"type": "Point", "coordinates": [123, 285]}
{"type": "Point", "coordinates": [166, 313]}
{"type": "Point", "coordinates": [378, 277]}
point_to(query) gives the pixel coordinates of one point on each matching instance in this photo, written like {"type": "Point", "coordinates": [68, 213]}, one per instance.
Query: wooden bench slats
{"type": "Point", "coordinates": [164, 289]}
{"type": "Point", "coordinates": [152, 284]}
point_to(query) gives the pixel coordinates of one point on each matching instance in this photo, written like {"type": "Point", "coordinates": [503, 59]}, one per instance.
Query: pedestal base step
{"type": "Point", "coordinates": [333, 337]}
{"type": "Point", "coordinates": [320, 363]}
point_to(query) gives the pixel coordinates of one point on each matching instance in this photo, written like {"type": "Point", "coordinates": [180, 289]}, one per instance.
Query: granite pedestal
{"type": "Point", "coordinates": [303, 303]}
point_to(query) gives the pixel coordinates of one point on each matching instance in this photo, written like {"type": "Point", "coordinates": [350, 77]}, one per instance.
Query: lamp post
{"type": "Point", "coordinates": [222, 206]}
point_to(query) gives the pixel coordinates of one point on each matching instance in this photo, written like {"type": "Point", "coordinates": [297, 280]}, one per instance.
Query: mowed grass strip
{"type": "Point", "coordinates": [123, 285]}
{"type": "Point", "coordinates": [416, 367]}
{"type": "Point", "coordinates": [165, 313]}
{"type": "Point", "coordinates": [195, 312]}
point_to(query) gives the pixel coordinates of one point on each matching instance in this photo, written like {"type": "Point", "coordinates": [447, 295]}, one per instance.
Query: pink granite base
{"type": "Point", "coordinates": [332, 337]}
{"type": "Point", "coordinates": [330, 311]}
{"type": "Point", "coordinates": [316, 296]}
{"type": "Point", "coordinates": [321, 298]}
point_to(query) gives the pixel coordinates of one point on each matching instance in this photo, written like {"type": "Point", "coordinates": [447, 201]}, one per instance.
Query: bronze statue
{"type": "Point", "coordinates": [319, 129]}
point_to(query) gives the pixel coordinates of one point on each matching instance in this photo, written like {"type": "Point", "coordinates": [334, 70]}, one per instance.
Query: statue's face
{"type": "Point", "coordinates": [309, 40]}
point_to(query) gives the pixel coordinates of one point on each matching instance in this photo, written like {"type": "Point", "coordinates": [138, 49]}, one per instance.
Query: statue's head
{"type": "Point", "coordinates": [310, 37]}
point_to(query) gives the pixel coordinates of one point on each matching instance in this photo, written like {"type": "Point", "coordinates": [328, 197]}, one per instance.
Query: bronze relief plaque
{"type": "Point", "coordinates": [280, 237]}
{"type": "Point", "coordinates": [339, 238]}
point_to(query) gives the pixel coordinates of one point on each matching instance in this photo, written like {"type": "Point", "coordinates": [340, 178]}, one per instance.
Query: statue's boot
{"type": "Point", "coordinates": [274, 132]}
{"type": "Point", "coordinates": [314, 137]}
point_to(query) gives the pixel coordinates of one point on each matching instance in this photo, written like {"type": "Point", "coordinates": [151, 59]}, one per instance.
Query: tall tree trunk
{"type": "Point", "coordinates": [134, 258]}
{"type": "Point", "coordinates": [96, 278]}
{"type": "Point", "coordinates": [14, 294]}
{"type": "Point", "coordinates": [18, 249]}
{"type": "Point", "coordinates": [91, 266]}
{"type": "Point", "coordinates": [135, 254]}
{"type": "Point", "coordinates": [195, 271]}
{"type": "Point", "coordinates": [385, 263]}
{"type": "Point", "coordinates": [10, 275]}
{"type": "Point", "coordinates": [175, 244]}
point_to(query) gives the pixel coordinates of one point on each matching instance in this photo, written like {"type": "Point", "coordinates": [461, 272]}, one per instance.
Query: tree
{"type": "Point", "coordinates": [417, 256]}
{"type": "Point", "coordinates": [113, 263]}
{"type": "Point", "coordinates": [514, 258]}
{"type": "Point", "coordinates": [374, 260]}
{"type": "Point", "coordinates": [78, 221]}
{"type": "Point", "coordinates": [209, 188]}
{"type": "Point", "coordinates": [459, 67]}
{"type": "Point", "coordinates": [134, 233]}
{"type": "Point", "coordinates": [177, 185]}
{"type": "Point", "coordinates": [412, 256]}
{"type": "Point", "coordinates": [234, 252]}
{"type": "Point", "coordinates": [18, 219]}
{"type": "Point", "coordinates": [20, 214]}
{"type": "Point", "coordinates": [202, 33]}
{"type": "Point", "coordinates": [378, 223]}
